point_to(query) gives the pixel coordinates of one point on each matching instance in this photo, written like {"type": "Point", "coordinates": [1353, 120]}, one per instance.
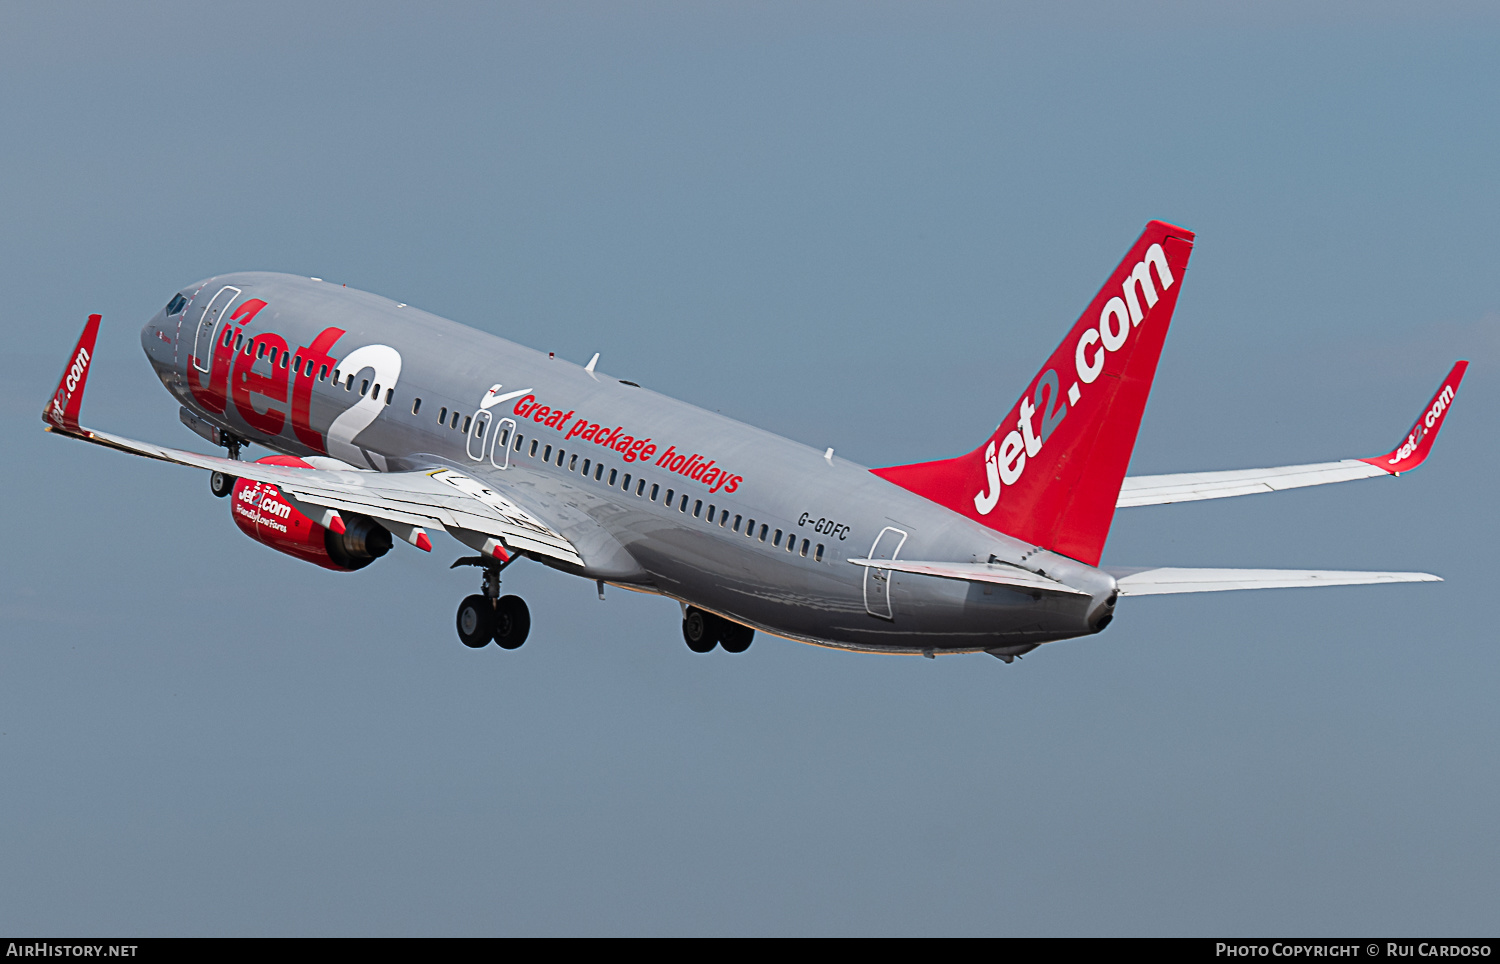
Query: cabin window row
{"type": "Point", "coordinates": [713, 516]}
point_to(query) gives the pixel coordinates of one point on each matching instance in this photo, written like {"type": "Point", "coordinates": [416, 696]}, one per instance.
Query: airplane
{"type": "Point", "coordinates": [388, 423]}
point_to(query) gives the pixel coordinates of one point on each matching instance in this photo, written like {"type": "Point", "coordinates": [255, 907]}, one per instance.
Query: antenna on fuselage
{"type": "Point", "coordinates": [592, 362]}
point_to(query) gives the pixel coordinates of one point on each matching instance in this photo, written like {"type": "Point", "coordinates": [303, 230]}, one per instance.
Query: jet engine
{"type": "Point", "coordinates": [264, 514]}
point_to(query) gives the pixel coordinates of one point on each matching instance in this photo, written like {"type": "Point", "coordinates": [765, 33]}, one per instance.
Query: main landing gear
{"type": "Point", "coordinates": [222, 483]}
{"type": "Point", "coordinates": [489, 615]}
{"type": "Point", "coordinates": [703, 631]}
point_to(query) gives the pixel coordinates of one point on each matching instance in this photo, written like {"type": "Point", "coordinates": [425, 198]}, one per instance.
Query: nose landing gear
{"type": "Point", "coordinates": [489, 615]}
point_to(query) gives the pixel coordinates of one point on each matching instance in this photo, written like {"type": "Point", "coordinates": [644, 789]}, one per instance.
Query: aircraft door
{"type": "Point", "coordinates": [500, 453]}
{"type": "Point", "coordinates": [477, 435]}
{"type": "Point", "coordinates": [878, 581]}
{"type": "Point", "coordinates": [203, 343]}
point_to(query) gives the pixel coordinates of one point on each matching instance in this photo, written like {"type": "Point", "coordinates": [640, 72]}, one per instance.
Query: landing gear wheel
{"type": "Point", "coordinates": [699, 630]}
{"type": "Point", "coordinates": [735, 638]}
{"type": "Point", "coordinates": [476, 621]}
{"type": "Point", "coordinates": [221, 484]}
{"type": "Point", "coordinates": [512, 622]}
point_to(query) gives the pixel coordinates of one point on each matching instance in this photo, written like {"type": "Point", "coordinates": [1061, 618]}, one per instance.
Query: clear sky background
{"type": "Point", "coordinates": [859, 225]}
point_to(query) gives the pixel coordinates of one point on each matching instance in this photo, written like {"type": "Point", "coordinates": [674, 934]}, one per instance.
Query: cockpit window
{"type": "Point", "coordinates": [177, 303]}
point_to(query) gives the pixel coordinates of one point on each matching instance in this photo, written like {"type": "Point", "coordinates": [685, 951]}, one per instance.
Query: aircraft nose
{"type": "Point", "coordinates": [160, 334]}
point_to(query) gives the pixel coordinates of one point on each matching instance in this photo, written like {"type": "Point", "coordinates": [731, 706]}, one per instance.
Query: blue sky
{"type": "Point", "coordinates": [859, 225]}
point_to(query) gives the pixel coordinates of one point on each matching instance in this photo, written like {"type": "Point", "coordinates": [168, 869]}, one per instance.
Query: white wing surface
{"type": "Point", "coordinates": [1195, 486]}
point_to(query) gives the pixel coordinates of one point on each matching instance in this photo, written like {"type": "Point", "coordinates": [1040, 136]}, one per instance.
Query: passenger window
{"type": "Point", "coordinates": [453, 420]}
{"type": "Point", "coordinates": [683, 506]}
{"type": "Point", "coordinates": [442, 415]}
{"type": "Point", "coordinates": [416, 405]}
{"type": "Point", "coordinates": [375, 393]}
{"type": "Point", "coordinates": [519, 437]}
{"type": "Point", "coordinates": [818, 556]}
{"type": "Point", "coordinates": [239, 337]}
{"type": "Point", "coordinates": [655, 489]}
{"type": "Point", "coordinates": [764, 528]}
{"type": "Point", "coordinates": [736, 521]}
{"type": "Point", "coordinates": [625, 482]}
{"type": "Point", "coordinates": [586, 464]}
{"type": "Point", "coordinates": [534, 444]}
{"type": "Point", "coordinates": [723, 518]}
{"type": "Point", "coordinates": [573, 464]}
{"type": "Point", "coordinates": [504, 434]}
{"type": "Point", "coordinates": [640, 488]}
{"type": "Point", "coordinates": [349, 386]}
{"type": "Point", "coordinates": [750, 528]}
{"type": "Point", "coordinates": [228, 337]}
{"type": "Point", "coordinates": [335, 376]}
{"type": "Point", "coordinates": [776, 540]}
{"type": "Point", "coordinates": [260, 352]}
{"type": "Point", "coordinates": [479, 432]}
{"type": "Point", "coordinates": [710, 516]}
{"type": "Point", "coordinates": [697, 508]}
{"type": "Point", "coordinates": [598, 471]}
{"type": "Point", "coordinates": [668, 501]}
{"type": "Point", "coordinates": [323, 373]}
{"type": "Point", "coordinates": [364, 387]}
{"type": "Point", "coordinates": [560, 456]}
{"type": "Point", "coordinates": [286, 357]}
{"type": "Point", "coordinates": [467, 420]}
{"type": "Point", "coordinates": [804, 548]}
{"type": "Point", "coordinates": [298, 364]}
{"type": "Point", "coordinates": [547, 454]}
{"type": "Point", "coordinates": [613, 474]}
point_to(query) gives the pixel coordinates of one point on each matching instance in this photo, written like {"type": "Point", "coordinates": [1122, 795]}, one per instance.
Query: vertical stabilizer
{"type": "Point", "coordinates": [1051, 472]}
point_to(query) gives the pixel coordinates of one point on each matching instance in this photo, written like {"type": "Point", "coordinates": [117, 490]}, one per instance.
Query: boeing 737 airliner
{"type": "Point", "coordinates": [390, 423]}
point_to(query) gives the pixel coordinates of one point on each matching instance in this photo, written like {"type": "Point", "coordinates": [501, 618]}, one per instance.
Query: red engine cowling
{"type": "Point", "coordinates": [263, 514]}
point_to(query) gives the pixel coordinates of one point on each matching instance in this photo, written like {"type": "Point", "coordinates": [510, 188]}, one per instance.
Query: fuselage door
{"type": "Point", "coordinates": [203, 344]}
{"type": "Point", "coordinates": [505, 432]}
{"type": "Point", "coordinates": [477, 432]}
{"type": "Point", "coordinates": [878, 581]}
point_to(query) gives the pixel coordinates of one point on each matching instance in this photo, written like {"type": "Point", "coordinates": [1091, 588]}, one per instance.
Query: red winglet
{"type": "Point", "coordinates": [1418, 442]}
{"type": "Point", "coordinates": [62, 412]}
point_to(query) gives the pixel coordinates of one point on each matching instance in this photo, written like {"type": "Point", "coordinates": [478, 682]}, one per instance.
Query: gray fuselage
{"type": "Point", "coordinates": [762, 535]}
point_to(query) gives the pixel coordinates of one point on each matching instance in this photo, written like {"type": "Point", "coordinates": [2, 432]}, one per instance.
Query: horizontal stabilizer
{"type": "Point", "coordinates": [1195, 486]}
{"type": "Point", "coordinates": [999, 574]}
{"type": "Point", "coordinates": [1161, 582]}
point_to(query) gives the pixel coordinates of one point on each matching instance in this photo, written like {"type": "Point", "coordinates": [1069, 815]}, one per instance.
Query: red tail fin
{"type": "Point", "coordinates": [1051, 472]}
{"type": "Point", "coordinates": [67, 401]}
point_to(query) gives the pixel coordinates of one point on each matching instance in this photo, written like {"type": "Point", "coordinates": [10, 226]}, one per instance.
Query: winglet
{"type": "Point", "coordinates": [62, 412]}
{"type": "Point", "coordinates": [1418, 442]}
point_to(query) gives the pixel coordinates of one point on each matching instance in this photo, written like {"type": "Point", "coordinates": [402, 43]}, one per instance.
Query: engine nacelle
{"type": "Point", "coordinates": [264, 514]}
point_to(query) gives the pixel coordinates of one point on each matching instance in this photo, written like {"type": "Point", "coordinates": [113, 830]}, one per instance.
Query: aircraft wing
{"type": "Point", "coordinates": [438, 497]}
{"type": "Point", "coordinates": [1160, 582]}
{"type": "Point", "coordinates": [1194, 486]}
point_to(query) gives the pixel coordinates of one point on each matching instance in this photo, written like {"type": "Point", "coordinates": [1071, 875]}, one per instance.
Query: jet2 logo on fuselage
{"type": "Point", "coordinates": [271, 384]}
